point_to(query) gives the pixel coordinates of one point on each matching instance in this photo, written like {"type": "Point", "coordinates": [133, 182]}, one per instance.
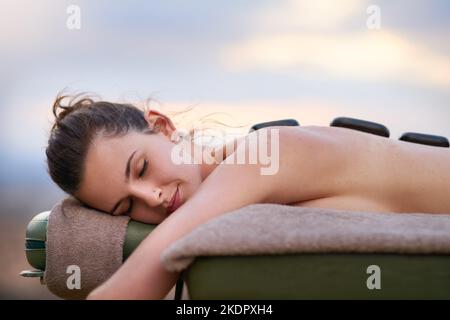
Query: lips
{"type": "Point", "coordinates": [175, 202]}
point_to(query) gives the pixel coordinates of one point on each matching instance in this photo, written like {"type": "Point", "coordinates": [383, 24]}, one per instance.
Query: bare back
{"type": "Point", "coordinates": [385, 174]}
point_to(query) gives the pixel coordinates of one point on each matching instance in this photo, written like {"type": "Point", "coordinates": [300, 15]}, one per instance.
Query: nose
{"type": "Point", "coordinates": [151, 195]}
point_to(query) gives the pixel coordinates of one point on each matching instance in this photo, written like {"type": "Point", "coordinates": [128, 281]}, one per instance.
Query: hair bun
{"type": "Point", "coordinates": [76, 102]}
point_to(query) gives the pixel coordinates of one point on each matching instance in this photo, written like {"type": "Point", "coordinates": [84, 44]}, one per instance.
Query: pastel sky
{"type": "Point", "coordinates": [255, 60]}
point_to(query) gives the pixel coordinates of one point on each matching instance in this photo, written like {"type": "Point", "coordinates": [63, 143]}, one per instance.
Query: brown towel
{"type": "Point", "coordinates": [280, 229]}
{"type": "Point", "coordinates": [86, 238]}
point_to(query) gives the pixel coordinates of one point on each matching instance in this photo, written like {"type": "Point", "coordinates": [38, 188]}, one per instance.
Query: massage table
{"type": "Point", "coordinates": [307, 275]}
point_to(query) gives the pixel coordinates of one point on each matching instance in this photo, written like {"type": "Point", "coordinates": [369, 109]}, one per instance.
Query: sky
{"type": "Point", "coordinates": [255, 60]}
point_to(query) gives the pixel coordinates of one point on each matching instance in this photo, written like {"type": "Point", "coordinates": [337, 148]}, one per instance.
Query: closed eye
{"type": "Point", "coordinates": [141, 174]}
{"type": "Point", "coordinates": [144, 168]}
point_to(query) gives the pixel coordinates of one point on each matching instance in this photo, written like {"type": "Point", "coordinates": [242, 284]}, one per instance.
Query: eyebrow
{"type": "Point", "coordinates": [127, 177]}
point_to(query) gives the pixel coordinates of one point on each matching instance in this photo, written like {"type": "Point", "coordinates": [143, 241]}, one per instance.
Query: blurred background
{"type": "Point", "coordinates": [383, 61]}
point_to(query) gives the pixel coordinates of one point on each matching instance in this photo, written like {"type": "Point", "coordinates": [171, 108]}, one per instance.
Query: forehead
{"type": "Point", "coordinates": [104, 171]}
{"type": "Point", "coordinates": [112, 151]}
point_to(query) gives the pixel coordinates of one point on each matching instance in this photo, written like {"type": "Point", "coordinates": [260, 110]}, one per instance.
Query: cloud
{"type": "Point", "coordinates": [313, 37]}
{"type": "Point", "coordinates": [316, 14]}
{"type": "Point", "coordinates": [370, 55]}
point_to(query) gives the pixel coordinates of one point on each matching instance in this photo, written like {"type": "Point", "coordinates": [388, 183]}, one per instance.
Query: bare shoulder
{"type": "Point", "coordinates": [311, 162]}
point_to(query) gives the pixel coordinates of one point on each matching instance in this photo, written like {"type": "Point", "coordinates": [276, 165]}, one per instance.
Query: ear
{"type": "Point", "coordinates": [159, 122]}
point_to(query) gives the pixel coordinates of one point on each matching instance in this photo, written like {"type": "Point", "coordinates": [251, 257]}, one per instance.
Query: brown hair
{"type": "Point", "coordinates": [77, 124]}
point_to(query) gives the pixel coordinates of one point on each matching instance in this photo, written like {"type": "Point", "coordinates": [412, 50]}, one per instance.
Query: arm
{"type": "Point", "coordinates": [229, 187]}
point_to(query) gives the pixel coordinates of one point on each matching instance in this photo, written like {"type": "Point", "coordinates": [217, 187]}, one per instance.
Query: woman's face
{"type": "Point", "coordinates": [153, 178]}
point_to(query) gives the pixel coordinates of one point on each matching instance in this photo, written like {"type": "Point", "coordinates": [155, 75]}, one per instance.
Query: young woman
{"type": "Point", "coordinates": [118, 159]}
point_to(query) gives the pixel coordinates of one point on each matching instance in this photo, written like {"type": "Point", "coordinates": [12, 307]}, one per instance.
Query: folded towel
{"type": "Point", "coordinates": [281, 229]}
{"type": "Point", "coordinates": [87, 239]}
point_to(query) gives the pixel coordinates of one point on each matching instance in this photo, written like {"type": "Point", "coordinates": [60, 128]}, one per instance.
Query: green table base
{"type": "Point", "coordinates": [319, 276]}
